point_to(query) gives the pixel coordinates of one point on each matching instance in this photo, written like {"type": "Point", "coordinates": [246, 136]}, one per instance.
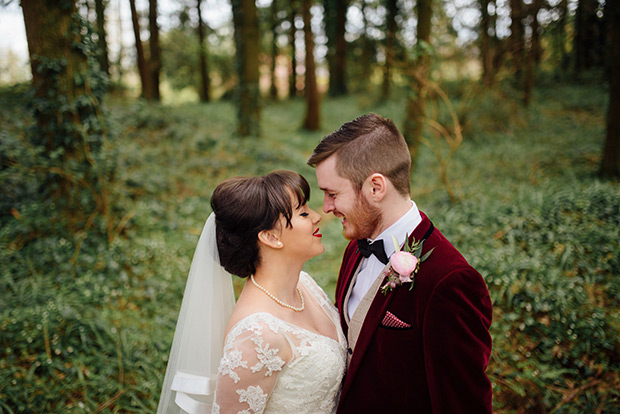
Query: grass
{"type": "Point", "coordinates": [92, 334]}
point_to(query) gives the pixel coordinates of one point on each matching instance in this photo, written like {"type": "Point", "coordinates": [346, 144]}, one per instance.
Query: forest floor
{"type": "Point", "coordinates": [86, 326]}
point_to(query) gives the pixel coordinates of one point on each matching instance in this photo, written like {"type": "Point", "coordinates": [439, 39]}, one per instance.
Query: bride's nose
{"type": "Point", "coordinates": [317, 217]}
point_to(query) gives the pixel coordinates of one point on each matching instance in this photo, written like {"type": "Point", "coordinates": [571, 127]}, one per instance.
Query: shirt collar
{"type": "Point", "coordinates": [403, 227]}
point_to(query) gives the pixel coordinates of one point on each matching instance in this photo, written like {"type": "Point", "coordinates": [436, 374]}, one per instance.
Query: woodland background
{"type": "Point", "coordinates": [108, 156]}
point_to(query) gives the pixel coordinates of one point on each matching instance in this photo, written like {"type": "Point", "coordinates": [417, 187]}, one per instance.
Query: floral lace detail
{"type": "Point", "coordinates": [255, 397]}
{"type": "Point", "coordinates": [230, 362]}
{"type": "Point", "coordinates": [268, 357]}
{"type": "Point", "coordinates": [272, 366]}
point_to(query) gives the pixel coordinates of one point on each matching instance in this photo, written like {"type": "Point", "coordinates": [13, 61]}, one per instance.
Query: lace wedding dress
{"type": "Point", "coordinates": [275, 367]}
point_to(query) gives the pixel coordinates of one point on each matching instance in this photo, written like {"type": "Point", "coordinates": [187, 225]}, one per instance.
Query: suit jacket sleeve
{"type": "Point", "coordinates": [457, 344]}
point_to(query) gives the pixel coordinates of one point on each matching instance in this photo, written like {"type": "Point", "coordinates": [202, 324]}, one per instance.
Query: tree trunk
{"type": "Point", "coordinates": [273, 89]}
{"type": "Point", "coordinates": [578, 40]}
{"type": "Point", "coordinates": [292, 82]}
{"type": "Point", "coordinates": [485, 42]}
{"type": "Point", "coordinates": [368, 52]}
{"type": "Point", "coordinates": [517, 40]}
{"type": "Point", "coordinates": [142, 69]}
{"type": "Point", "coordinates": [50, 40]}
{"type": "Point", "coordinates": [610, 166]}
{"type": "Point", "coordinates": [561, 41]}
{"type": "Point", "coordinates": [416, 106]}
{"type": "Point", "coordinates": [101, 32]}
{"type": "Point", "coordinates": [390, 40]}
{"type": "Point", "coordinates": [121, 49]}
{"type": "Point", "coordinates": [66, 106]}
{"type": "Point", "coordinates": [340, 80]}
{"type": "Point", "coordinates": [536, 31]}
{"type": "Point", "coordinates": [312, 119]}
{"type": "Point", "coordinates": [499, 47]}
{"type": "Point", "coordinates": [335, 21]}
{"type": "Point", "coordinates": [204, 89]}
{"type": "Point", "coordinates": [54, 64]}
{"type": "Point", "coordinates": [245, 21]}
{"type": "Point", "coordinates": [528, 81]}
{"type": "Point", "coordinates": [586, 40]}
{"type": "Point", "coordinates": [154, 63]}
{"type": "Point", "coordinates": [532, 54]}
{"type": "Point", "coordinates": [486, 56]}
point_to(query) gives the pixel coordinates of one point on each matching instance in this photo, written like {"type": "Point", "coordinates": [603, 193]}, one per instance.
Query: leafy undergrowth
{"type": "Point", "coordinates": [86, 321]}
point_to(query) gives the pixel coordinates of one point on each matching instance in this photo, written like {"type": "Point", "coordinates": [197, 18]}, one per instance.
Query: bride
{"type": "Point", "coordinates": [283, 347]}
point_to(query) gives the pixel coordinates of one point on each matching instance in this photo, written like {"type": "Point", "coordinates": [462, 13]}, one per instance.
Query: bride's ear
{"type": "Point", "coordinates": [269, 239]}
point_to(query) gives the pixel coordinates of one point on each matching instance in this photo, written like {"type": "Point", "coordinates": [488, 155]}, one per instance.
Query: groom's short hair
{"type": "Point", "coordinates": [367, 145]}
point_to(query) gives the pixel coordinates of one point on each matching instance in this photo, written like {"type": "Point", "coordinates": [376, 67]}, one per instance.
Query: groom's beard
{"type": "Point", "coordinates": [362, 220]}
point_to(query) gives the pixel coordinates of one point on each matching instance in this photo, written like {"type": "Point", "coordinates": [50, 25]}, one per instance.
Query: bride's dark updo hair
{"type": "Point", "coordinates": [245, 206]}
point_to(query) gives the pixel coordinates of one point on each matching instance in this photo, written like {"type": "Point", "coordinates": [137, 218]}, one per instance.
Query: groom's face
{"type": "Point", "coordinates": [358, 217]}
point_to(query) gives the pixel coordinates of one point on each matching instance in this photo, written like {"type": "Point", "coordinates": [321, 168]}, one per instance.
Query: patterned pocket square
{"type": "Point", "coordinates": [391, 321]}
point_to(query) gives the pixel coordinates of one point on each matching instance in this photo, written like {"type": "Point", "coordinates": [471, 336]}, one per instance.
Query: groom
{"type": "Point", "coordinates": [419, 350]}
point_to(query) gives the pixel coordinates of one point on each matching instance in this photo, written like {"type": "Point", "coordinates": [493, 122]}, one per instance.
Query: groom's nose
{"type": "Point", "coordinates": [328, 204]}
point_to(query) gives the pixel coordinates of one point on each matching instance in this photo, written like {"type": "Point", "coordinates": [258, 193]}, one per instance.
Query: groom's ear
{"type": "Point", "coordinates": [377, 187]}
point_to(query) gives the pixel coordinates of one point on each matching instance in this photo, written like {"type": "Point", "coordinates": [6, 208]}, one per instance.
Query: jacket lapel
{"type": "Point", "coordinates": [374, 316]}
{"type": "Point", "coordinates": [346, 276]}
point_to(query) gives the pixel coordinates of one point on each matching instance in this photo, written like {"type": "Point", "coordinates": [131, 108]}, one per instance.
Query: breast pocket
{"type": "Point", "coordinates": [391, 321]}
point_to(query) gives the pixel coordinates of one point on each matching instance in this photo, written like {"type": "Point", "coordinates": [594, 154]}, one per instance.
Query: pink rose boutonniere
{"type": "Point", "coordinates": [404, 264]}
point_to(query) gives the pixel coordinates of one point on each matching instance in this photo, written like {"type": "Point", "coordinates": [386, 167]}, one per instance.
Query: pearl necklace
{"type": "Point", "coordinates": [278, 301]}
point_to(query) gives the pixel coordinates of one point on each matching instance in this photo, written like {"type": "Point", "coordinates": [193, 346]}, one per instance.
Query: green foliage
{"type": "Point", "coordinates": [86, 323]}
{"type": "Point", "coordinates": [181, 65]}
{"type": "Point", "coordinates": [547, 242]}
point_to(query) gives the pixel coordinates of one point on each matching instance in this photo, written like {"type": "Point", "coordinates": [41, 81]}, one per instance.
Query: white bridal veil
{"type": "Point", "coordinates": [196, 350]}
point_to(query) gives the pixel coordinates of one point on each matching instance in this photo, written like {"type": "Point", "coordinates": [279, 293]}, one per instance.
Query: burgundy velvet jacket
{"type": "Point", "coordinates": [438, 364]}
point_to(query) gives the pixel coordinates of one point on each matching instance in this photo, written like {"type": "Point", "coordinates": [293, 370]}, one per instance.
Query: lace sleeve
{"type": "Point", "coordinates": [254, 353]}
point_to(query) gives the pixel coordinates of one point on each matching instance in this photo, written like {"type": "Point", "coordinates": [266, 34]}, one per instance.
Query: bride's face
{"type": "Point", "coordinates": [303, 238]}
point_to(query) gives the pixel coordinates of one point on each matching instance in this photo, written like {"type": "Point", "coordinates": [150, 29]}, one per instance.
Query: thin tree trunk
{"type": "Point", "coordinates": [486, 55]}
{"type": "Point", "coordinates": [390, 40]}
{"type": "Point", "coordinates": [517, 40]}
{"type": "Point", "coordinates": [341, 48]}
{"type": "Point", "coordinates": [528, 81]}
{"type": "Point", "coordinates": [340, 81]}
{"type": "Point", "coordinates": [245, 20]}
{"type": "Point", "coordinates": [121, 50]}
{"type": "Point", "coordinates": [142, 69]}
{"type": "Point", "coordinates": [367, 52]}
{"type": "Point", "coordinates": [104, 62]}
{"type": "Point", "coordinates": [532, 53]}
{"type": "Point", "coordinates": [154, 62]}
{"type": "Point", "coordinates": [610, 166]}
{"type": "Point", "coordinates": [561, 42]}
{"type": "Point", "coordinates": [204, 90]}
{"type": "Point", "coordinates": [416, 107]}
{"type": "Point", "coordinates": [335, 21]}
{"type": "Point", "coordinates": [312, 119]}
{"type": "Point", "coordinates": [273, 89]}
{"type": "Point", "coordinates": [497, 46]}
{"type": "Point", "coordinates": [536, 31]}
{"type": "Point", "coordinates": [292, 85]}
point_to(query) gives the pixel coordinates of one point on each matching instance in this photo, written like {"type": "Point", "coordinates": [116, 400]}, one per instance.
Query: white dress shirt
{"type": "Point", "coordinates": [371, 267]}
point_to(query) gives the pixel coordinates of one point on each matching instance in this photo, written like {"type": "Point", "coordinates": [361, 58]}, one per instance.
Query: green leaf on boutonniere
{"type": "Point", "coordinates": [427, 255]}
